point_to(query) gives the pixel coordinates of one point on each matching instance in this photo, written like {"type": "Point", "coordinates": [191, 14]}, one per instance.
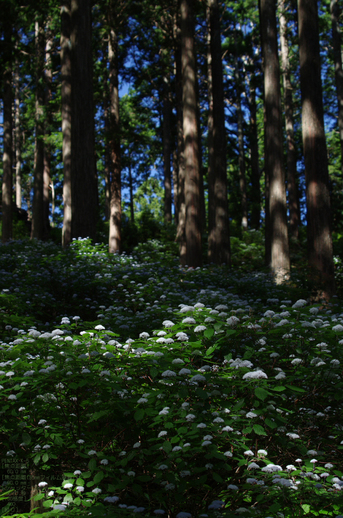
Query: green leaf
{"type": "Point", "coordinates": [139, 414]}
{"type": "Point", "coordinates": [48, 503]}
{"type": "Point", "coordinates": [97, 415]}
{"type": "Point", "coordinates": [217, 478]}
{"type": "Point", "coordinates": [270, 423]}
{"type": "Point", "coordinates": [210, 350]}
{"type": "Point", "coordinates": [98, 477]}
{"type": "Point", "coordinates": [77, 500]}
{"type": "Point", "coordinates": [92, 464]}
{"type": "Point", "coordinates": [208, 333]}
{"type": "Point", "coordinates": [45, 457]}
{"type": "Point", "coordinates": [167, 446]}
{"type": "Point", "coordinates": [36, 458]}
{"type": "Point", "coordinates": [144, 478]}
{"type": "Point", "coordinates": [153, 372]}
{"type": "Point", "coordinates": [295, 389]}
{"type": "Point", "coordinates": [278, 389]}
{"type": "Point", "coordinates": [26, 438]}
{"type": "Point", "coordinates": [306, 508]}
{"type": "Point", "coordinates": [39, 496]}
{"type": "Point", "coordinates": [261, 393]}
{"type": "Point", "coordinates": [259, 430]}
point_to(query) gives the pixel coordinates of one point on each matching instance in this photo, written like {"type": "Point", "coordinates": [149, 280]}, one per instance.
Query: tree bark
{"type": "Point", "coordinates": [181, 208]}
{"type": "Point", "coordinates": [210, 144]}
{"type": "Point", "coordinates": [337, 55]}
{"type": "Point", "coordinates": [47, 147]}
{"type": "Point", "coordinates": [84, 195]}
{"type": "Point", "coordinates": [280, 263]}
{"type": "Point", "coordinates": [114, 143]}
{"type": "Point", "coordinates": [191, 138]}
{"type": "Point", "coordinates": [17, 133]}
{"type": "Point", "coordinates": [255, 172]}
{"type": "Point", "coordinates": [241, 159]}
{"type": "Point", "coordinates": [288, 103]}
{"type": "Point", "coordinates": [316, 166]}
{"type": "Point", "coordinates": [37, 229]}
{"type": "Point", "coordinates": [219, 234]}
{"type": "Point", "coordinates": [166, 129]}
{"type": "Point", "coordinates": [7, 137]}
{"type": "Point", "coordinates": [66, 118]}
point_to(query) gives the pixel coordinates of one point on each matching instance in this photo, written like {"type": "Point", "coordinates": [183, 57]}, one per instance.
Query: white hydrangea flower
{"type": "Point", "coordinates": [258, 374]}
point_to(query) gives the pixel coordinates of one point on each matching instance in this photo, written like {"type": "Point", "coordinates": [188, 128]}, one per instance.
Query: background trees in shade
{"type": "Point", "coordinates": [100, 100]}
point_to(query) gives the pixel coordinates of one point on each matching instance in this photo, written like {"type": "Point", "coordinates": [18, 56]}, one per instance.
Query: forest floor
{"type": "Point", "coordinates": [130, 385]}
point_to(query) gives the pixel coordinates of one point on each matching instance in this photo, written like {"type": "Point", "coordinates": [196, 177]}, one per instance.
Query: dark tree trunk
{"type": "Point", "coordinates": [115, 167]}
{"type": "Point", "coordinates": [132, 211]}
{"type": "Point", "coordinates": [83, 172]}
{"type": "Point", "coordinates": [166, 130]}
{"type": "Point", "coordinates": [17, 133]}
{"type": "Point", "coordinates": [241, 159]}
{"type": "Point", "coordinates": [211, 166]}
{"type": "Point", "coordinates": [337, 54]}
{"type": "Point", "coordinates": [7, 136]}
{"type": "Point", "coordinates": [191, 138]}
{"type": "Point", "coordinates": [316, 166]}
{"type": "Point", "coordinates": [279, 264]}
{"type": "Point", "coordinates": [288, 103]}
{"type": "Point", "coordinates": [219, 235]}
{"type": "Point", "coordinates": [47, 147]}
{"type": "Point", "coordinates": [66, 118]}
{"type": "Point", "coordinates": [255, 172]}
{"type": "Point", "coordinates": [37, 229]}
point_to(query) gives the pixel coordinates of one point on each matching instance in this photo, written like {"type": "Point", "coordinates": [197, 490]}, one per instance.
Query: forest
{"type": "Point", "coordinates": [171, 276]}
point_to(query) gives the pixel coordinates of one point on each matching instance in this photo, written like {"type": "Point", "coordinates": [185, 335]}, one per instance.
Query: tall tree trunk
{"type": "Point", "coordinates": [241, 159]}
{"type": "Point", "coordinates": [181, 208]}
{"type": "Point", "coordinates": [191, 138]}
{"type": "Point", "coordinates": [288, 103]}
{"type": "Point", "coordinates": [219, 235]}
{"type": "Point", "coordinates": [132, 209]}
{"type": "Point", "coordinates": [255, 173]}
{"type": "Point", "coordinates": [175, 187]}
{"type": "Point", "coordinates": [114, 243]}
{"type": "Point", "coordinates": [337, 53]}
{"type": "Point", "coordinates": [47, 147]}
{"type": "Point", "coordinates": [280, 263]}
{"type": "Point", "coordinates": [37, 229]}
{"type": "Point", "coordinates": [7, 136]}
{"type": "Point", "coordinates": [210, 142]}
{"type": "Point", "coordinates": [66, 118]}
{"type": "Point", "coordinates": [83, 171]}
{"type": "Point", "coordinates": [316, 166]}
{"type": "Point", "coordinates": [166, 130]}
{"type": "Point", "coordinates": [17, 133]}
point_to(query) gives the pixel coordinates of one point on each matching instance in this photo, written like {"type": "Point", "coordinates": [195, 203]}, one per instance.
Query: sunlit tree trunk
{"type": "Point", "coordinates": [114, 132]}
{"type": "Point", "coordinates": [316, 166]}
{"type": "Point", "coordinates": [37, 229]}
{"type": "Point", "coordinates": [191, 138]}
{"type": "Point", "coordinates": [337, 53]}
{"type": "Point", "coordinates": [7, 136]}
{"type": "Point", "coordinates": [66, 118]}
{"type": "Point", "coordinates": [280, 263]}
{"type": "Point", "coordinates": [84, 190]}
{"type": "Point", "coordinates": [288, 104]}
{"type": "Point", "coordinates": [219, 234]}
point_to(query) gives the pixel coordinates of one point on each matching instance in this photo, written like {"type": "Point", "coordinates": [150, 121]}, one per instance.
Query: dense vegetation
{"type": "Point", "coordinates": [131, 385]}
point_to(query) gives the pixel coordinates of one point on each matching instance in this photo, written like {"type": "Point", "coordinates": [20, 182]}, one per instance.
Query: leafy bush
{"type": "Point", "coordinates": [185, 393]}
